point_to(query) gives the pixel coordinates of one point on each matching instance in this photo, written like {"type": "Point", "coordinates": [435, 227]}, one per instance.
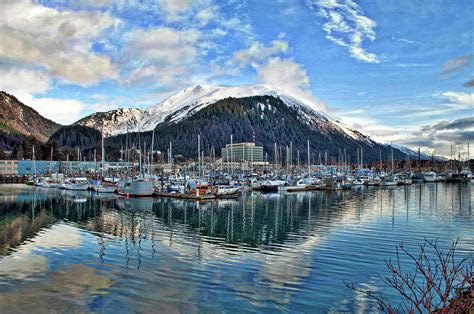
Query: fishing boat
{"type": "Point", "coordinates": [301, 185]}
{"type": "Point", "coordinates": [223, 191]}
{"type": "Point", "coordinates": [390, 180]}
{"type": "Point", "coordinates": [105, 188]}
{"type": "Point", "coordinates": [76, 184]}
{"type": "Point", "coordinates": [39, 181]}
{"type": "Point", "coordinates": [418, 178]}
{"type": "Point", "coordinates": [50, 183]}
{"type": "Point", "coordinates": [135, 188]}
{"type": "Point", "coordinates": [268, 186]}
{"type": "Point", "coordinates": [374, 181]}
{"type": "Point", "coordinates": [430, 176]}
{"type": "Point", "coordinates": [359, 181]}
{"type": "Point", "coordinates": [404, 180]}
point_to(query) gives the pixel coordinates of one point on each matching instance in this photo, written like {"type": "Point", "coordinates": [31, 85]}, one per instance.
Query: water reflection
{"type": "Point", "coordinates": [270, 252]}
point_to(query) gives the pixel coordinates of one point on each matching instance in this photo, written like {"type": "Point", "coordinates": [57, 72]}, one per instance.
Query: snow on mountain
{"type": "Point", "coordinates": [114, 122]}
{"type": "Point", "coordinates": [193, 99]}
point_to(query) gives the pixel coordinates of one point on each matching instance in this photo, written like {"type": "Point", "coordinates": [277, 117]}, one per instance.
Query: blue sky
{"type": "Point", "coordinates": [399, 71]}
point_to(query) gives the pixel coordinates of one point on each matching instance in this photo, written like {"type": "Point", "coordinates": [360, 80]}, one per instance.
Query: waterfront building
{"type": "Point", "coordinates": [30, 167]}
{"type": "Point", "coordinates": [8, 167]}
{"type": "Point", "coordinates": [242, 152]}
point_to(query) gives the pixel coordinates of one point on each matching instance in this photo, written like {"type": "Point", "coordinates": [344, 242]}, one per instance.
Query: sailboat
{"type": "Point", "coordinates": [77, 183]}
{"type": "Point", "coordinates": [135, 186]}
{"type": "Point", "coordinates": [104, 186]}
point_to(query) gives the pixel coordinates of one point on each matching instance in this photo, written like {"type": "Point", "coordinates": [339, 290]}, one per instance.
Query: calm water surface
{"type": "Point", "coordinates": [75, 251]}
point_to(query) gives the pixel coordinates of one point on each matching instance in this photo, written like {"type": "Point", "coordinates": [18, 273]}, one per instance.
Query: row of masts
{"type": "Point", "coordinates": [144, 158]}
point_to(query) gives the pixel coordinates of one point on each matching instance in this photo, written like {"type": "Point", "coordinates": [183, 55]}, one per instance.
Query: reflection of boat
{"type": "Point", "coordinates": [79, 199]}
{"type": "Point", "coordinates": [135, 204]}
{"type": "Point", "coordinates": [72, 195]}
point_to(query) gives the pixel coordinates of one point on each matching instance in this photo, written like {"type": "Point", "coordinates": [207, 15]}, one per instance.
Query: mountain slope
{"type": "Point", "coordinates": [269, 118]}
{"type": "Point", "coordinates": [17, 118]}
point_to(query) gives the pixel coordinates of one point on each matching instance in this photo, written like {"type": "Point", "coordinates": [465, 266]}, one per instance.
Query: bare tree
{"type": "Point", "coordinates": [440, 283]}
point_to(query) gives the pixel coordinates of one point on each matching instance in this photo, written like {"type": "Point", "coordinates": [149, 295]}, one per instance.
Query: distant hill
{"type": "Point", "coordinates": [21, 127]}
{"type": "Point", "coordinates": [18, 118]}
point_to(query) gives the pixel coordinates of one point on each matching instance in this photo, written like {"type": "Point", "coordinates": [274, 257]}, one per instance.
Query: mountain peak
{"type": "Point", "coordinates": [195, 98]}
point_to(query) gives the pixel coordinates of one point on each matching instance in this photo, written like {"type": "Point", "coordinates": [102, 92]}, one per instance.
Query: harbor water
{"type": "Point", "coordinates": [286, 252]}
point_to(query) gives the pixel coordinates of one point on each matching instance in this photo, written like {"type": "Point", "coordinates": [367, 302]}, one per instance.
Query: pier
{"type": "Point", "coordinates": [9, 179]}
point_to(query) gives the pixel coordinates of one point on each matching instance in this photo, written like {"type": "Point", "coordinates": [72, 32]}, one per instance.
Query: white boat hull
{"type": "Point", "coordinates": [76, 186]}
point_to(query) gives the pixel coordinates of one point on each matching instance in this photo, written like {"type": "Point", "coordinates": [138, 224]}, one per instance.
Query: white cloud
{"type": "Point", "coordinates": [63, 111]}
{"type": "Point", "coordinates": [347, 26]}
{"type": "Point", "coordinates": [257, 52]}
{"type": "Point", "coordinates": [57, 40]}
{"type": "Point", "coordinates": [289, 76]}
{"type": "Point", "coordinates": [205, 15]}
{"type": "Point", "coordinates": [22, 81]}
{"type": "Point", "coordinates": [162, 54]}
{"type": "Point", "coordinates": [378, 132]}
{"type": "Point", "coordinates": [459, 98]}
{"type": "Point", "coordinates": [175, 6]}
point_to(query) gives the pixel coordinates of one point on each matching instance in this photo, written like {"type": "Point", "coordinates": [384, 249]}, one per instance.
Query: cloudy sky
{"type": "Point", "coordinates": [399, 71]}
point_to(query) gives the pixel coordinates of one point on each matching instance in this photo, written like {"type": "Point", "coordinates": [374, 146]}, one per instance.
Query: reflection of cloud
{"type": "Point", "coordinates": [54, 238]}
{"type": "Point", "coordinates": [25, 261]}
{"type": "Point", "coordinates": [78, 283]}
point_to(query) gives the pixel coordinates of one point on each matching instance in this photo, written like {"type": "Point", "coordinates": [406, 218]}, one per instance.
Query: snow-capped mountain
{"type": "Point", "coordinates": [269, 116]}
{"type": "Point", "coordinates": [193, 99]}
{"type": "Point", "coordinates": [113, 122]}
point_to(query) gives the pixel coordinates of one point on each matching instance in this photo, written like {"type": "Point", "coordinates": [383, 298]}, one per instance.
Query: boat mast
{"type": "Point", "coordinates": [34, 164]}
{"type": "Point", "coordinates": [103, 157]}
{"type": "Point", "coordinates": [199, 155]}
{"type": "Point", "coordinates": [231, 156]}
{"type": "Point", "coordinates": [51, 163]}
{"type": "Point", "coordinates": [309, 161]}
{"type": "Point", "coordinates": [152, 150]}
{"type": "Point", "coordinates": [78, 162]}
{"type": "Point", "coordinates": [391, 156]}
